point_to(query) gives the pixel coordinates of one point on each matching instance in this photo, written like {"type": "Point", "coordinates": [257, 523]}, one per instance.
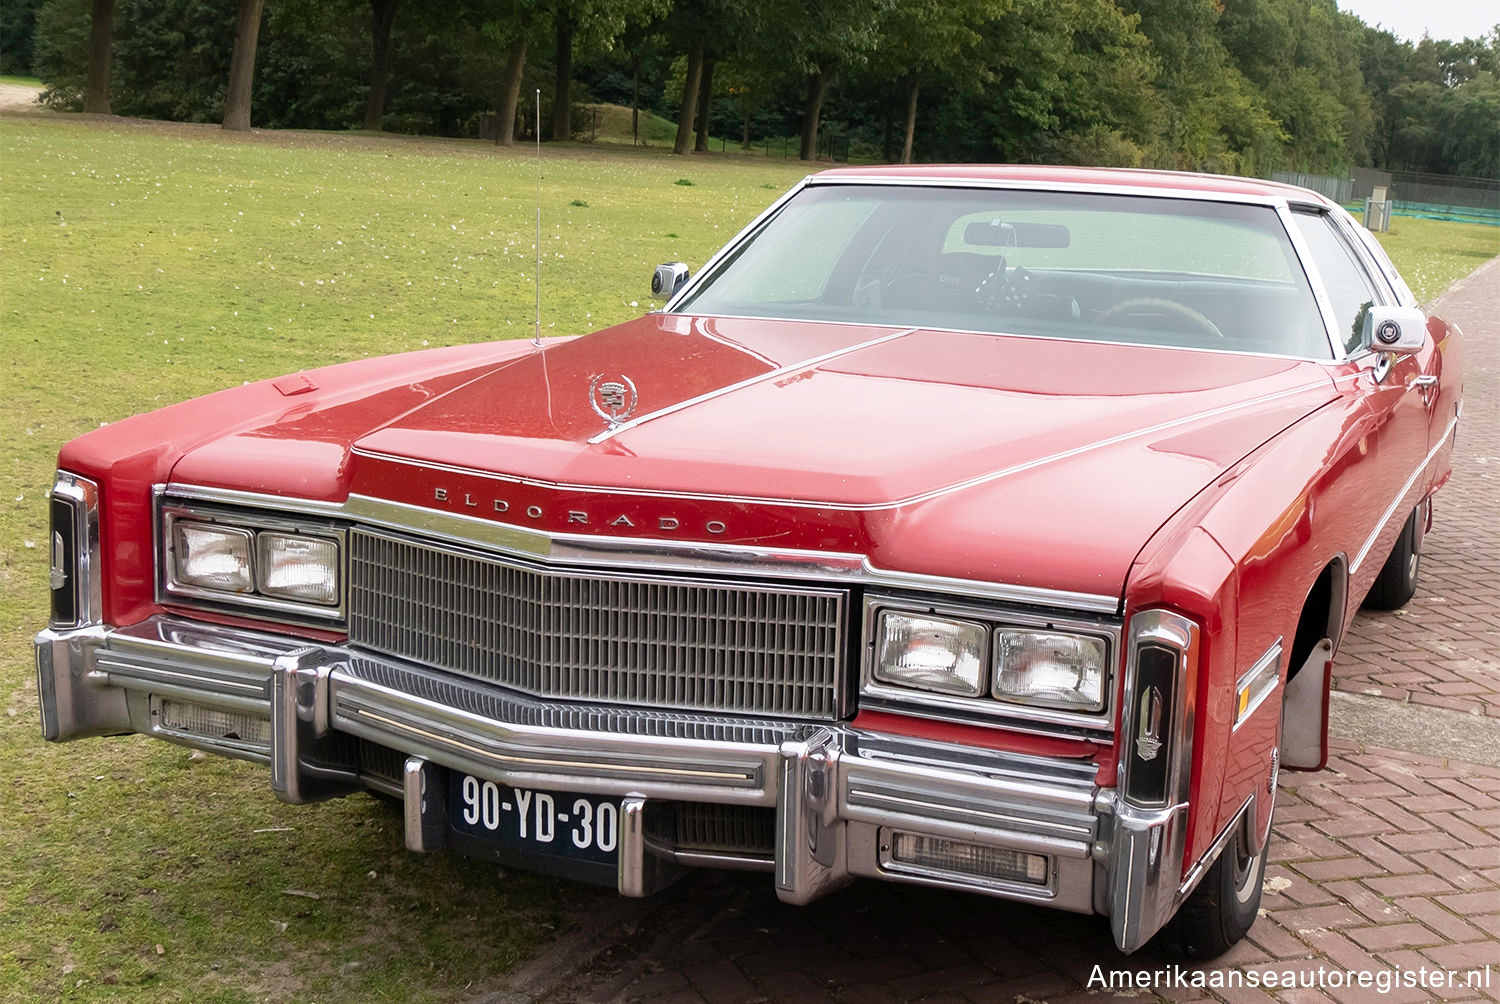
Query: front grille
{"type": "Point", "coordinates": [620, 639]}
{"type": "Point", "coordinates": [715, 829]}
{"type": "Point", "coordinates": [381, 762]}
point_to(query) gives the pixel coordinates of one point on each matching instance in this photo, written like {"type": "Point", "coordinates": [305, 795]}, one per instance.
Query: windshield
{"type": "Point", "coordinates": [1158, 271]}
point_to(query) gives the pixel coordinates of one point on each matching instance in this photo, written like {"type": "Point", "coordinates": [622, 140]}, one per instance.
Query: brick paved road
{"type": "Point", "coordinates": [1388, 859]}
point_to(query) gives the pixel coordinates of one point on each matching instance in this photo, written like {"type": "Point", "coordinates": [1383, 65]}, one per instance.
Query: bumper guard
{"type": "Point", "coordinates": [841, 795]}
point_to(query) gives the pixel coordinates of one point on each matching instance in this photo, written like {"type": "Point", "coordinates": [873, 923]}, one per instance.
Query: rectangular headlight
{"type": "Point", "coordinates": [212, 557]}
{"type": "Point", "coordinates": [295, 567]}
{"type": "Point", "coordinates": [931, 653]}
{"type": "Point", "coordinates": [1050, 669]}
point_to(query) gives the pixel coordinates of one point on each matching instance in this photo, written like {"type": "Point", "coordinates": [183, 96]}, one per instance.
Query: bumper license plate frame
{"type": "Point", "coordinates": [563, 833]}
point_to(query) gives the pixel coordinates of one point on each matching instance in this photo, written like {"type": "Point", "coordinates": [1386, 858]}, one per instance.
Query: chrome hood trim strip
{"type": "Point", "coordinates": [824, 505]}
{"type": "Point", "coordinates": [654, 555]}
{"type": "Point", "coordinates": [775, 374]}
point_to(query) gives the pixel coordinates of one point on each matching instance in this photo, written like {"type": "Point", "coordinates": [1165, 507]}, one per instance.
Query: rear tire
{"type": "Point", "coordinates": [1397, 582]}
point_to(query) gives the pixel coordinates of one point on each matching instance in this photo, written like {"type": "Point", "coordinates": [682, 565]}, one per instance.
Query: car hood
{"type": "Point", "coordinates": [1014, 459]}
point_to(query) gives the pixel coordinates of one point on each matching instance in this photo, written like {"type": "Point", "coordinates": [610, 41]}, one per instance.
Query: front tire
{"type": "Point", "coordinates": [1397, 582]}
{"type": "Point", "coordinates": [1219, 912]}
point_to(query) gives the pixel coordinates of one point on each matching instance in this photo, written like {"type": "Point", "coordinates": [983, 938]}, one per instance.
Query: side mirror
{"type": "Point", "coordinates": [668, 279]}
{"type": "Point", "coordinates": [1399, 330]}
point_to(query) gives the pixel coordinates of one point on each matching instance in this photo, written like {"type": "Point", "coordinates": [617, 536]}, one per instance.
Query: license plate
{"type": "Point", "coordinates": [553, 823]}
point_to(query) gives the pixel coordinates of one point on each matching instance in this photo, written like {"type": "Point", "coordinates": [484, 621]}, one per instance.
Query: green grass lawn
{"type": "Point", "coordinates": [1432, 255]}
{"type": "Point", "coordinates": [611, 124]}
{"type": "Point", "coordinates": [143, 263]}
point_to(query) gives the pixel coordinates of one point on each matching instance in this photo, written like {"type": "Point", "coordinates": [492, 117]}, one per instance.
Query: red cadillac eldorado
{"type": "Point", "coordinates": [986, 528]}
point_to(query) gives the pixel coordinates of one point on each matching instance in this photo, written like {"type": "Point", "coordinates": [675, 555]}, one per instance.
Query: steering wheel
{"type": "Point", "coordinates": [1185, 319]}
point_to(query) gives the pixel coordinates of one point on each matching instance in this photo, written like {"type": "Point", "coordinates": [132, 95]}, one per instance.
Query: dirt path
{"type": "Point", "coordinates": [19, 97]}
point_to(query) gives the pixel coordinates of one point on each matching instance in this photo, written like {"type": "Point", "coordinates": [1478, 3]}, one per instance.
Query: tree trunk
{"type": "Point", "coordinates": [242, 66]}
{"type": "Point", "coordinates": [515, 63]}
{"type": "Point", "coordinates": [96, 90]}
{"type": "Point", "coordinates": [562, 92]}
{"type": "Point", "coordinates": [705, 88]}
{"type": "Point", "coordinates": [745, 132]}
{"type": "Point", "coordinates": [689, 99]}
{"type": "Point", "coordinates": [382, 14]}
{"type": "Point", "coordinates": [635, 99]}
{"type": "Point", "coordinates": [911, 122]}
{"type": "Point", "coordinates": [817, 90]}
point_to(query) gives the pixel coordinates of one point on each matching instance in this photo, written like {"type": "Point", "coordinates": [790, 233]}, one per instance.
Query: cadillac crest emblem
{"type": "Point", "coordinates": [612, 399]}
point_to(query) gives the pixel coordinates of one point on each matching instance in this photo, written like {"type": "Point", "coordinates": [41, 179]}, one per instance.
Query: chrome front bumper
{"type": "Point", "coordinates": [838, 792]}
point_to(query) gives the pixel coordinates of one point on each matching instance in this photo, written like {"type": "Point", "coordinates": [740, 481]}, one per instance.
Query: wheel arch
{"type": "Point", "coordinates": [1322, 614]}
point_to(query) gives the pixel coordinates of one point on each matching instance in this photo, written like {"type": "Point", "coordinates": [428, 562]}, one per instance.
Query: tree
{"type": "Point", "coordinates": [562, 93]}
{"type": "Point", "coordinates": [18, 37]}
{"type": "Point", "coordinates": [1206, 115]}
{"type": "Point", "coordinates": [96, 88]}
{"type": "Point", "coordinates": [383, 15]}
{"type": "Point", "coordinates": [514, 25]}
{"type": "Point", "coordinates": [594, 24]}
{"type": "Point", "coordinates": [1416, 137]}
{"type": "Point", "coordinates": [926, 39]}
{"type": "Point", "coordinates": [1071, 83]}
{"type": "Point", "coordinates": [1303, 57]}
{"type": "Point", "coordinates": [705, 94]}
{"type": "Point", "coordinates": [692, 84]}
{"type": "Point", "coordinates": [510, 92]}
{"type": "Point", "coordinates": [1471, 140]}
{"type": "Point", "coordinates": [689, 28]}
{"type": "Point", "coordinates": [242, 66]}
{"type": "Point", "coordinates": [1383, 59]}
{"type": "Point", "coordinates": [821, 37]}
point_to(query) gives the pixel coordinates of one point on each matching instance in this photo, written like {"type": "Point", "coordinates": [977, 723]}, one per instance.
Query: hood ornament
{"type": "Point", "coordinates": [612, 399]}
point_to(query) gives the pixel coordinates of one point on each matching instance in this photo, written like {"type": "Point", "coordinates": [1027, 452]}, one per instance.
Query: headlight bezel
{"type": "Point", "coordinates": [986, 708]}
{"type": "Point", "coordinates": [258, 602]}
{"type": "Point", "coordinates": [963, 625]}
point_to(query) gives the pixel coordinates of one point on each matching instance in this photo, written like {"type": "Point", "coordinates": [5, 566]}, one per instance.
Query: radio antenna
{"type": "Point", "coordinates": [536, 338]}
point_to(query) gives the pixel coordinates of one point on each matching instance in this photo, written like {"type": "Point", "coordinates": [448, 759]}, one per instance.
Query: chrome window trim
{"type": "Point", "coordinates": [986, 710]}
{"type": "Point", "coordinates": [168, 510]}
{"type": "Point", "coordinates": [908, 329]}
{"type": "Point", "coordinates": [1279, 203]}
{"type": "Point", "coordinates": [82, 494]}
{"type": "Point", "coordinates": [1404, 295]}
{"type": "Point", "coordinates": [1314, 279]}
{"type": "Point", "coordinates": [1382, 290]}
{"type": "Point", "coordinates": [1345, 226]}
{"type": "Point", "coordinates": [1046, 186]}
{"type": "Point", "coordinates": [643, 553]}
{"type": "Point", "coordinates": [718, 256]}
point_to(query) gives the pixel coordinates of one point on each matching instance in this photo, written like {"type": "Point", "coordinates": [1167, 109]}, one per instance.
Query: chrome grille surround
{"type": "Point", "coordinates": [618, 638]}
